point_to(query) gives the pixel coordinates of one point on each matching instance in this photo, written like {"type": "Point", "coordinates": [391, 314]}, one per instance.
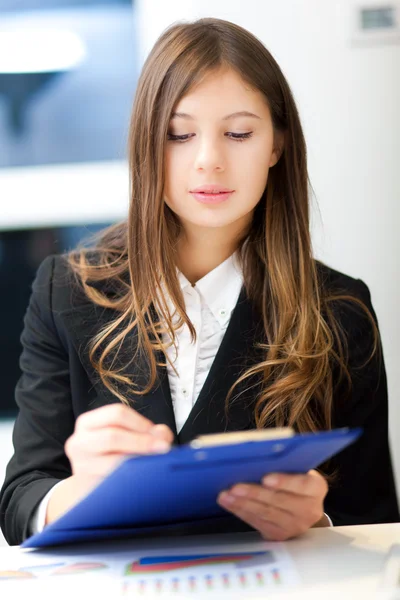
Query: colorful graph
{"type": "Point", "coordinates": [15, 575]}
{"type": "Point", "coordinates": [50, 569]}
{"type": "Point", "coordinates": [162, 564]}
{"type": "Point", "coordinates": [81, 567]}
{"type": "Point", "coordinates": [203, 584]}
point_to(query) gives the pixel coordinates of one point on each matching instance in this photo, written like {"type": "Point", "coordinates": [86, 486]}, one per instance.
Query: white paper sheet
{"type": "Point", "coordinates": [180, 568]}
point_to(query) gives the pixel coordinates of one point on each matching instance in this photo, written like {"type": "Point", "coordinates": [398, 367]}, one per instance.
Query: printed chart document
{"type": "Point", "coordinates": [231, 566]}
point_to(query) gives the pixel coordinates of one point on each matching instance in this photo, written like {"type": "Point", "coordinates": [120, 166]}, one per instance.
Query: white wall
{"type": "Point", "coordinates": [349, 99]}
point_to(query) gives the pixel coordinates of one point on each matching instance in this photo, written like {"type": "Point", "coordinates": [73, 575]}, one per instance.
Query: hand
{"type": "Point", "coordinates": [103, 437]}
{"type": "Point", "coordinates": [283, 507]}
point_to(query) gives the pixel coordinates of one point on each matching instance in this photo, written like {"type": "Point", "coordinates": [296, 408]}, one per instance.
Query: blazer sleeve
{"type": "Point", "coordinates": [363, 489]}
{"type": "Point", "coordinates": [45, 417]}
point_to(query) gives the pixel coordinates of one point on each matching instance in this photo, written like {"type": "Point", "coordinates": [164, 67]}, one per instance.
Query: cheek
{"type": "Point", "coordinates": [256, 157]}
{"type": "Point", "coordinates": [176, 167]}
{"type": "Point", "coordinates": [253, 173]}
{"type": "Point", "coordinates": [175, 185]}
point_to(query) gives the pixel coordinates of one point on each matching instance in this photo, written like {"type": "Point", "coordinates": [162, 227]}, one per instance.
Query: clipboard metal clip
{"type": "Point", "coordinates": [241, 437]}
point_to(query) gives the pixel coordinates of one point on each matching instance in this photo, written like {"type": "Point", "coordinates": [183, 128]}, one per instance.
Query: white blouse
{"type": "Point", "coordinates": [209, 305]}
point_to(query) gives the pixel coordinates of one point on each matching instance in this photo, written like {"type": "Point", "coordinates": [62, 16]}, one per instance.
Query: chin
{"type": "Point", "coordinates": [211, 223]}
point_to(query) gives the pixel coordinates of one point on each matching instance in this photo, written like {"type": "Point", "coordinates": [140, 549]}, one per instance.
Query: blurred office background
{"type": "Point", "coordinates": [68, 71]}
{"type": "Point", "coordinates": [64, 113]}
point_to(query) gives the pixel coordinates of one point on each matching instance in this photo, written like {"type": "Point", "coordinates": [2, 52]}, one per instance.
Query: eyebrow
{"type": "Point", "coordinates": [241, 113]}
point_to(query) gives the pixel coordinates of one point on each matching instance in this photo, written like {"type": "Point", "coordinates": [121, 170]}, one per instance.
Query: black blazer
{"type": "Point", "coordinates": [58, 384]}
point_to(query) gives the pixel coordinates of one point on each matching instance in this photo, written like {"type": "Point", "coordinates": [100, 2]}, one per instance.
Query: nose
{"type": "Point", "coordinates": [210, 156]}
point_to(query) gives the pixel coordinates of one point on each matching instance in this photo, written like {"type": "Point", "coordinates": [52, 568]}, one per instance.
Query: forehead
{"type": "Point", "coordinates": [223, 92]}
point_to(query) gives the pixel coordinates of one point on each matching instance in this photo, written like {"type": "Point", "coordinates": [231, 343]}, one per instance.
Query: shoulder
{"type": "Point", "coordinates": [348, 306]}
{"type": "Point", "coordinates": [54, 273]}
{"type": "Point", "coordinates": [45, 277]}
{"type": "Point", "coordinates": [349, 299]}
{"type": "Point", "coordinates": [54, 268]}
{"type": "Point", "coordinates": [58, 286]}
{"type": "Point", "coordinates": [338, 283]}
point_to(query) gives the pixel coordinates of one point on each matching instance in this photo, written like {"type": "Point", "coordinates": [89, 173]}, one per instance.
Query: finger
{"type": "Point", "coordinates": [303, 508]}
{"type": "Point", "coordinates": [269, 531]}
{"type": "Point", "coordinates": [286, 501]}
{"type": "Point", "coordinates": [308, 484]}
{"type": "Point", "coordinates": [114, 415]}
{"type": "Point", "coordinates": [281, 518]}
{"type": "Point", "coordinates": [114, 440]}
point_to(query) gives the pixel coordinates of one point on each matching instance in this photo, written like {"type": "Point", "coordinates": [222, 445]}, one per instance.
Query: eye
{"type": "Point", "coordinates": [238, 137]}
{"type": "Point", "coordinates": [179, 138]}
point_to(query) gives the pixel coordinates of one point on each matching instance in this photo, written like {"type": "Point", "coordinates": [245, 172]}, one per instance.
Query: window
{"type": "Point", "coordinates": [378, 18]}
{"type": "Point", "coordinates": [68, 75]}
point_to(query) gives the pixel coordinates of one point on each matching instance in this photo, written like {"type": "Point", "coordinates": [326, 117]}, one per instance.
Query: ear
{"type": "Point", "coordinates": [279, 143]}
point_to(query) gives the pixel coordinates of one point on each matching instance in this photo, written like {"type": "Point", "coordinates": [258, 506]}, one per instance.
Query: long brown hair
{"type": "Point", "coordinates": [304, 342]}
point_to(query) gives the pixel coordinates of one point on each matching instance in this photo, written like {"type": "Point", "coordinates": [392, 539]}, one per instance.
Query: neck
{"type": "Point", "coordinates": [199, 252]}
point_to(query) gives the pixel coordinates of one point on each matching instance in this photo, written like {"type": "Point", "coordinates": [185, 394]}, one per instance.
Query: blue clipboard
{"type": "Point", "coordinates": [160, 493]}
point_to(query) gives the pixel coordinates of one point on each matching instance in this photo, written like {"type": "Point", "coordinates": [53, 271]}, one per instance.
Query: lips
{"type": "Point", "coordinates": [211, 194]}
{"type": "Point", "coordinates": [211, 189]}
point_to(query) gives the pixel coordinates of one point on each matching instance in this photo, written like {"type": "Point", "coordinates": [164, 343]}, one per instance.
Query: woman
{"type": "Point", "coordinates": [205, 311]}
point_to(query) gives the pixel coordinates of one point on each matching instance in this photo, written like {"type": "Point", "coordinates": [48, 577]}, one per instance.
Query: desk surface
{"type": "Point", "coordinates": [345, 562]}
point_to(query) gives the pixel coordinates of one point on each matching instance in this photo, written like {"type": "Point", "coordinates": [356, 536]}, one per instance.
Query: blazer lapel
{"type": "Point", "coordinates": [236, 353]}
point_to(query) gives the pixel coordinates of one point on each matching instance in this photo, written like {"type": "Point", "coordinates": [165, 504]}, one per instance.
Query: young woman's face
{"type": "Point", "coordinates": [219, 150]}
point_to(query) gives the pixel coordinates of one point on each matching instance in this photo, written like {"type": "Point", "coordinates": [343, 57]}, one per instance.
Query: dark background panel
{"type": "Point", "coordinates": [21, 252]}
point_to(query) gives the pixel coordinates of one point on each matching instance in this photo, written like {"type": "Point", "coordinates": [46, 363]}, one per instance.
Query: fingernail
{"type": "Point", "coordinates": [160, 446]}
{"type": "Point", "coordinates": [226, 498]}
{"type": "Point", "coordinates": [270, 480]}
{"type": "Point", "coordinates": [239, 491]}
